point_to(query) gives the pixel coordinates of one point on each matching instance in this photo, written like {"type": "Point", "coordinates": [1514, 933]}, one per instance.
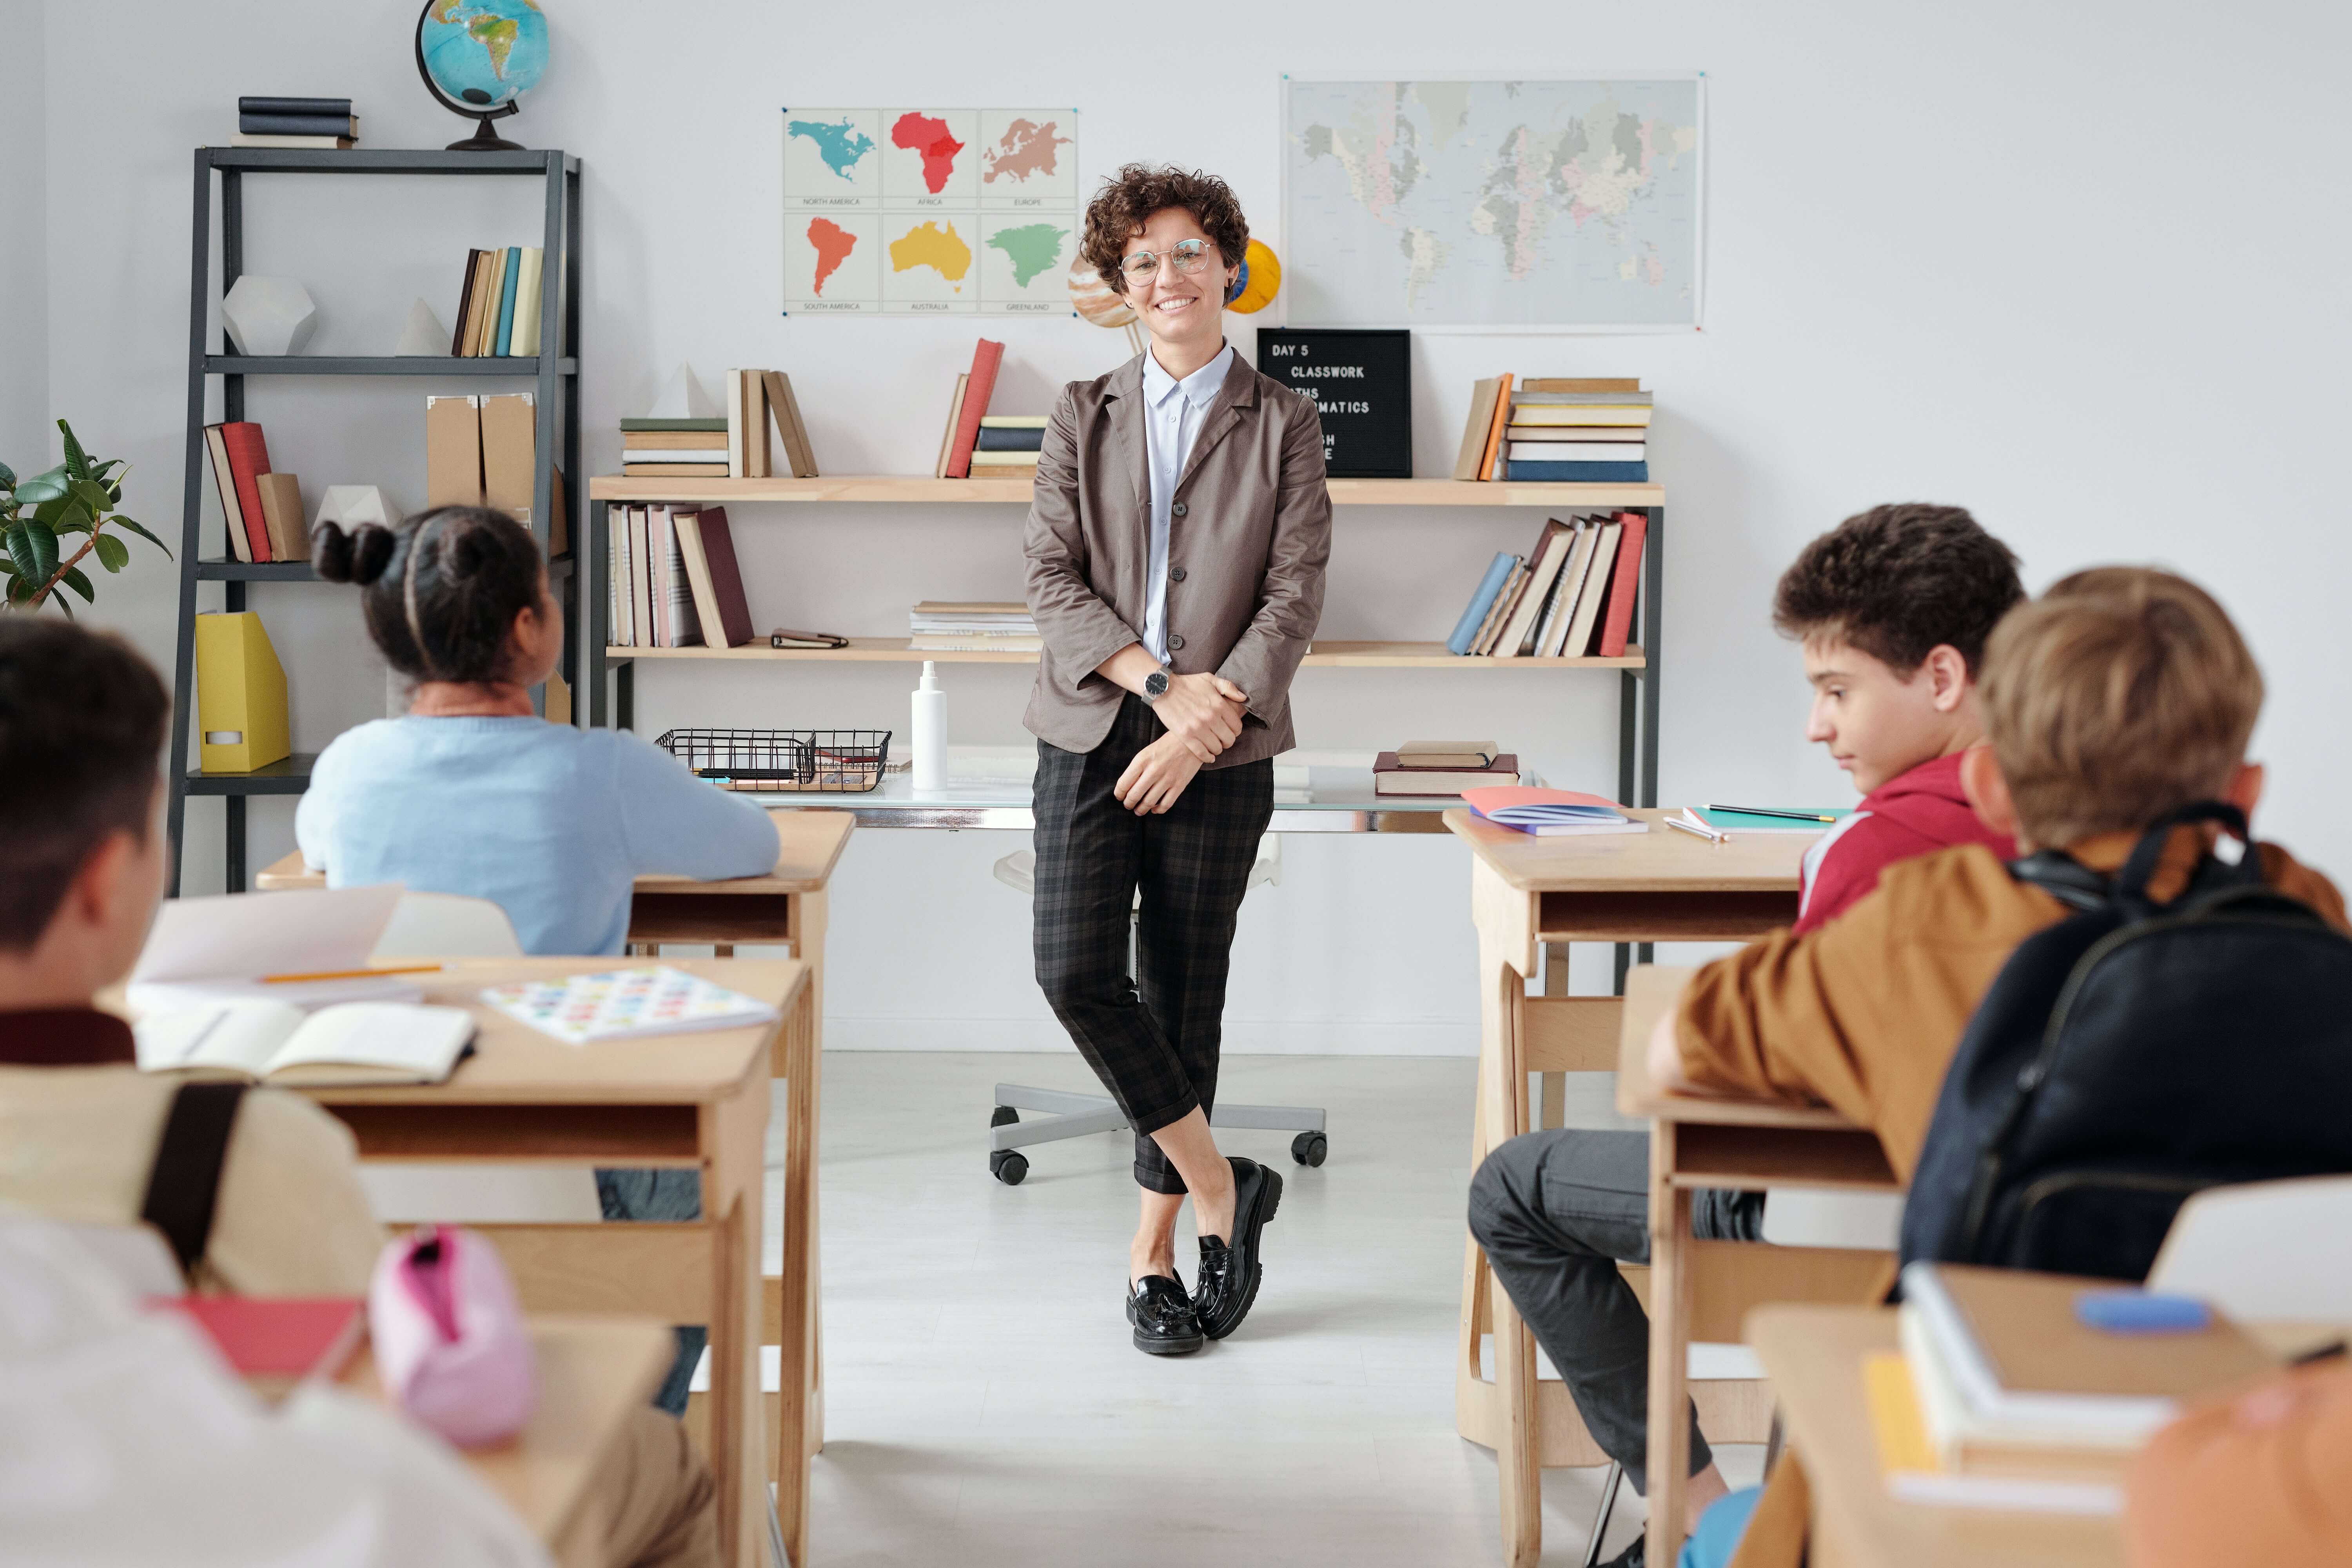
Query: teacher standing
{"type": "Point", "coordinates": [1176, 548]}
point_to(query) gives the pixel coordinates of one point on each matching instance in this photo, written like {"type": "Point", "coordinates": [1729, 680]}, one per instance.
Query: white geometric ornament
{"type": "Point", "coordinates": [682, 397]}
{"type": "Point", "coordinates": [425, 334]}
{"type": "Point", "coordinates": [268, 316]}
{"type": "Point", "coordinates": [350, 505]}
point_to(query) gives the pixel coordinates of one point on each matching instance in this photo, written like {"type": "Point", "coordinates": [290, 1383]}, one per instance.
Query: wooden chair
{"type": "Point", "coordinates": [1562, 1034]}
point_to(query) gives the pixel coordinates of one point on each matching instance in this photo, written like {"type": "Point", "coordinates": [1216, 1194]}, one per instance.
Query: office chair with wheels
{"type": "Point", "coordinates": [1069, 1115]}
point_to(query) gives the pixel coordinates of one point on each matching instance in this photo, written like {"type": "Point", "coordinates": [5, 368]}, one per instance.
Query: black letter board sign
{"type": "Point", "coordinates": [1362, 383]}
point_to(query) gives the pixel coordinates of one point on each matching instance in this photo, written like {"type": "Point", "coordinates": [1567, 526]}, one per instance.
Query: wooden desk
{"type": "Point", "coordinates": [592, 1373]}
{"type": "Point", "coordinates": [1814, 1356]}
{"type": "Point", "coordinates": [786, 906]}
{"type": "Point", "coordinates": [1526, 892]}
{"type": "Point", "coordinates": [1697, 1142]}
{"type": "Point", "coordinates": [696, 1102]}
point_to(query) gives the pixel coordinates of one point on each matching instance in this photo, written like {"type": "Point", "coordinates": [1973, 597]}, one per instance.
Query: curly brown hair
{"type": "Point", "coordinates": [1128, 199]}
{"type": "Point", "coordinates": [1897, 582]}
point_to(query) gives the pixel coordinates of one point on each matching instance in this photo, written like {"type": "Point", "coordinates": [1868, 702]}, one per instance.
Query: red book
{"type": "Point", "coordinates": [1618, 622]}
{"type": "Point", "coordinates": [249, 459]}
{"type": "Point", "coordinates": [984, 361]}
{"type": "Point", "coordinates": [276, 1336]}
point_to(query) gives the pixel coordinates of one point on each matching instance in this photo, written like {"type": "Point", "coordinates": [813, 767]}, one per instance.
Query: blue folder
{"type": "Point", "coordinates": [1465, 630]}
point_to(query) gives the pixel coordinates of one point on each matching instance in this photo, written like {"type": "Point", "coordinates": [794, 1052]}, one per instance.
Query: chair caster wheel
{"type": "Point", "coordinates": [1003, 1116]}
{"type": "Point", "coordinates": [1008, 1165]}
{"type": "Point", "coordinates": [1310, 1147]}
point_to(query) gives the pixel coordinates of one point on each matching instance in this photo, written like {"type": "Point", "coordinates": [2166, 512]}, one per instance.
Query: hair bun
{"type": "Point", "coordinates": [330, 552]}
{"type": "Point", "coordinates": [371, 547]}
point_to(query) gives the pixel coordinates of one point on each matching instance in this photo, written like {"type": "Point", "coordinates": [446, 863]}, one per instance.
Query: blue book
{"type": "Point", "coordinates": [1588, 473]}
{"type": "Point", "coordinates": [1465, 630]}
{"type": "Point", "coordinates": [505, 344]}
{"type": "Point", "coordinates": [1010, 440]}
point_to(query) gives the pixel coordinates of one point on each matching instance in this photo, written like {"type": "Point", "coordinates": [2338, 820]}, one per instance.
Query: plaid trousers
{"type": "Point", "coordinates": [1151, 1037]}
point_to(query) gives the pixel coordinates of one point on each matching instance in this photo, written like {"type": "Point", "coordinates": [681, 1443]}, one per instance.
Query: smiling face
{"type": "Point", "coordinates": [1181, 310]}
{"type": "Point", "coordinates": [1878, 723]}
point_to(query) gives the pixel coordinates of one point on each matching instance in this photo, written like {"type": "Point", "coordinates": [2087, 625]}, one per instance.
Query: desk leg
{"type": "Point", "coordinates": [799, 1390]}
{"type": "Point", "coordinates": [1669, 1318]}
{"type": "Point", "coordinates": [1503, 1108]}
{"type": "Point", "coordinates": [805, 921]}
{"type": "Point", "coordinates": [733, 1182]}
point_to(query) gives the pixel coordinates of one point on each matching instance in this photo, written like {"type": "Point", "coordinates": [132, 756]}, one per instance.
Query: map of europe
{"type": "Point", "coordinates": [1570, 203]}
{"type": "Point", "coordinates": [930, 211]}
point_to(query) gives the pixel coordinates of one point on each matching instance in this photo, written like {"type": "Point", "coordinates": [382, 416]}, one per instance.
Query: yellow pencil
{"type": "Point", "coordinates": [350, 973]}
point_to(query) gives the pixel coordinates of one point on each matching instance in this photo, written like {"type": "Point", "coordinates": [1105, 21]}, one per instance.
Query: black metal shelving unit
{"type": "Point", "coordinates": [558, 411]}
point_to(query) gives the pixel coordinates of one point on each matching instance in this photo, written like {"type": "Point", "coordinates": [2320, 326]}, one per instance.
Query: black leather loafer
{"type": "Point", "coordinates": [1163, 1318]}
{"type": "Point", "coordinates": [1230, 1273]}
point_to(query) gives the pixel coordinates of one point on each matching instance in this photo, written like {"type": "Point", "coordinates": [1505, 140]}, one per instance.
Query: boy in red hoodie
{"type": "Point", "coordinates": [1892, 607]}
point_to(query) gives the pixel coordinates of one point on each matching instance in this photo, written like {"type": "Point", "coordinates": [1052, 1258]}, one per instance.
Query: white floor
{"type": "Point", "coordinates": [984, 1405]}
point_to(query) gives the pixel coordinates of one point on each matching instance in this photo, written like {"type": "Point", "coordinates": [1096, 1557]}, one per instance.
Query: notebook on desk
{"type": "Point", "coordinates": [626, 1004]}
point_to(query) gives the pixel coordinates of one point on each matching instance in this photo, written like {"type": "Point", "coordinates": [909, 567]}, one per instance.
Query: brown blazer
{"type": "Point", "coordinates": [1246, 547]}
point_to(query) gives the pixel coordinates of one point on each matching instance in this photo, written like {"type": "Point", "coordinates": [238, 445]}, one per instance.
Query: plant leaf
{"type": "Point", "coordinates": [64, 605]}
{"type": "Point", "coordinates": [42, 486]}
{"type": "Point", "coordinates": [112, 552]}
{"type": "Point", "coordinates": [35, 549]}
{"type": "Point", "coordinates": [141, 530]}
{"type": "Point", "coordinates": [7, 478]}
{"type": "Point", "coordinates": [76, 461]}
{"type": "Point", "coordinates": [80, 584]}
{"type": "Point", "coordinates": [93, 497]}
{"type": "Point", "coordinates": [60, 514]}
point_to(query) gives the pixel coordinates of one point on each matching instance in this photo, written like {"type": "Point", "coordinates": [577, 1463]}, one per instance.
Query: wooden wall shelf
{"type": "Point", "coordinates": [1326, 655]}
{"type": "Point", "coordinates": [923, 490]}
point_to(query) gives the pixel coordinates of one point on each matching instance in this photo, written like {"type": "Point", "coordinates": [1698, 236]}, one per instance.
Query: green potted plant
{"type": "Point", "coordinates": [39, 514]}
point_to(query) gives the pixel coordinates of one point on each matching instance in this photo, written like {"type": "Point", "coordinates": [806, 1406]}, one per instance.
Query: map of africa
{"type": "Point", "coordinates": [930, 211]}
{"type": "Point", "coordinates": [1565, 203]}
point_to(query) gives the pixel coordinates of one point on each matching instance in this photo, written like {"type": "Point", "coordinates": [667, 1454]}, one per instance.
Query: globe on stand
{"type": "Point", "coordinates": [477, 56]}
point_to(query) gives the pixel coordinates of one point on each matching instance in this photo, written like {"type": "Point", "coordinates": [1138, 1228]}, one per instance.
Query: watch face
{"type": "Point", "coordinates": [1156, 684]}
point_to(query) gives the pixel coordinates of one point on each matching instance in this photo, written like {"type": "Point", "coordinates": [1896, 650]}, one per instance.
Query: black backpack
{"type": "Point", "coordinates": [2131, 1055]}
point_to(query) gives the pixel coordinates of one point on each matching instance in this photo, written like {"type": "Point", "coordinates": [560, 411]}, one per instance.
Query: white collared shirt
{"type": "Point", "coordinates": [1173, 412]}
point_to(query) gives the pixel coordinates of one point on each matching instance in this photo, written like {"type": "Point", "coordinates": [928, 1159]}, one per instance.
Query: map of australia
{"type": "Point", "coordinates": [929, 245]}
{"type": "Point", "coordinates": [1537, 203]}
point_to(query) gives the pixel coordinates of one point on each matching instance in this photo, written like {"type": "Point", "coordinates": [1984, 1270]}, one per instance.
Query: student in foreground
{"type": "Point", "coordinates": [89, 1141]}
{"type": "Point", "coordinates": [2117, 697]}
{"type": "Point", "coordinates": [473, 794]}
{"type": "Point", "coordinates": [1891, 608]}
{"type": "Point", "coordinates": [2257, 1478]}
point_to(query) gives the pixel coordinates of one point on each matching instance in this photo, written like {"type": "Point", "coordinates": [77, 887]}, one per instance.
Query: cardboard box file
{"type": "Point", "coordinates": [453, 451]}
{"type": "Point", "coordinates": [241, 694]}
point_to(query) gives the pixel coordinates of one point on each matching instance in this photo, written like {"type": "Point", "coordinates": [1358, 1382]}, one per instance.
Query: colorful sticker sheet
{"type": "Point", "coordinates": [626, 1004]}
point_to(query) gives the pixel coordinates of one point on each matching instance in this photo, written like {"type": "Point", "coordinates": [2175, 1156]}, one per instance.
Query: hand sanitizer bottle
{"type": "Point", "coordinates": [928, 734]}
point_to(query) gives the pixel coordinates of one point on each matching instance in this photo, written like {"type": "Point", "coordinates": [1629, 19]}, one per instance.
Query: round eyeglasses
{"type": "Point", "coordinates": [1187, 254]}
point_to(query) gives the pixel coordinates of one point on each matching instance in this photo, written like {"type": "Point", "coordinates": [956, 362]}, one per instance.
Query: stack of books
{"type": "Point", "coordinates": [1550, 813]}
{"type": "Point", "coordinates": [263, 510]}
{"type": "Point", "coordinates": [735, 444]}
{"type": "Point", "coordinates": [2004, 1396]}
{"type": "Point", "coordinates": [1442, 768]}
{"type": "Point", "coordinates": [674, 581]}
{"type": "Point", "coordinates": [498, 304]}
{"type": "Point", "coordinates": [1581, 429]}
{"type": "Point", "coordinates": [326, 122]}
{"type": "Point", "coordinates": [1008, 446]}
{"type": "Point", "coordinates": [978, 626]}
{"type": "Point", "coordinates": [1569, 596]}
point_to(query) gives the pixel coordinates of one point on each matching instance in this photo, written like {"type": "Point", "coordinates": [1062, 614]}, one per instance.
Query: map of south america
{"type": "Point", "coordinates": [832, 244]}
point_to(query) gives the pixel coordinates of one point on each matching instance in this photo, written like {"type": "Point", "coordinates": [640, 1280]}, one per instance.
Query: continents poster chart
{"type": "Point", "coordinates": [929, 212]}
{"type": "Point", "coordinates": [1568, 204]}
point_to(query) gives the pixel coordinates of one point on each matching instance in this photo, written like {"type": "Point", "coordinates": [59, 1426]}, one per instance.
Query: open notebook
{"type": "Point", "coordinates": [352, 1044]}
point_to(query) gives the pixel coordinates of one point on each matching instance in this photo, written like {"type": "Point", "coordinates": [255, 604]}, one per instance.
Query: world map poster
{"type": "Point", "coordinates": [929, 212]}
{"type": "Point", "coordinates": [1571, 204]}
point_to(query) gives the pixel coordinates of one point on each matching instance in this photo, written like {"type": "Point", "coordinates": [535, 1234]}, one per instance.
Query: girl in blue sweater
{"type": "Point", "coordinates": [474, 794]}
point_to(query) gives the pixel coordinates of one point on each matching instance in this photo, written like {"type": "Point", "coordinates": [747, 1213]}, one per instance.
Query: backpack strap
{"type": "Point", "coordinates": [2063, 877]}
{"type": "Point", "coordinates": [183, 1186]}
{"type": "Point", "coordinates": [2131, 882]}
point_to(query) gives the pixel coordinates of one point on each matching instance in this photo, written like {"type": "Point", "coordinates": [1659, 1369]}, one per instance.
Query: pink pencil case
{"type": "Point", "coordinates": [450, 1343]}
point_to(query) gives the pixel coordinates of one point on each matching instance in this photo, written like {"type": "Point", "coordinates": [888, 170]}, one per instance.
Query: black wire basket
{"type": "Point", "coordinates": [778, 760]}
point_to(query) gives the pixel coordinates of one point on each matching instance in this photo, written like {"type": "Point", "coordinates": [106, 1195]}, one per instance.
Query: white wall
{"type": "Point", "coordinates": [2081, 268]}
{"type": "Point", "coordinates": [24, 259]}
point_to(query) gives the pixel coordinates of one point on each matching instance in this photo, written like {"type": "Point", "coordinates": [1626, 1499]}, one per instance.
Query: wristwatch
{"type": "Point", "coordinates": [1155, 685]}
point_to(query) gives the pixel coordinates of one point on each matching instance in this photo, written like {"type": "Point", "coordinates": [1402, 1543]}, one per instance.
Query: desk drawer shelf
{"type": "Point", "coordinates": [1326, 655]}
{"type": "Point", "coordinates": [923, 490]}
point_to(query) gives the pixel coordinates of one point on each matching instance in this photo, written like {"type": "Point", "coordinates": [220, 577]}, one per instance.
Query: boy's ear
{"type": "Point", "coordinates": [1947, 677]}
{"type": "Point", "coordinates": [2245, 791]}
{"type": "Point", "coordinates": [1988, 790]}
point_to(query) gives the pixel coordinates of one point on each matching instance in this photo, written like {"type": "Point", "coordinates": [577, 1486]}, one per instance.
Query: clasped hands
{"type": "Point", "coordinates": [1203, 716]}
